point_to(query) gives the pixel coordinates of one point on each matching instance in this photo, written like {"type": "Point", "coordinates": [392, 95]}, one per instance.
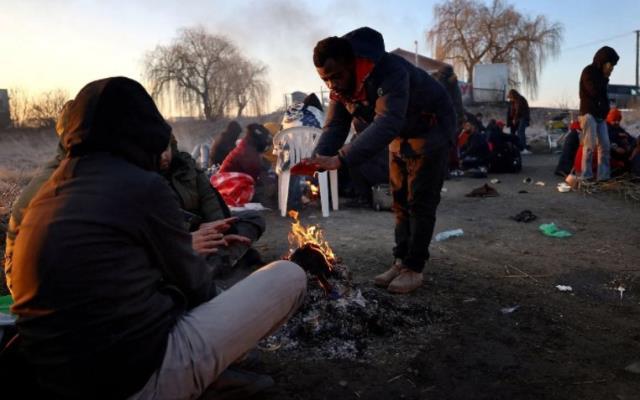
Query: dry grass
{"type": "Point", "coordinates": [625, 186]}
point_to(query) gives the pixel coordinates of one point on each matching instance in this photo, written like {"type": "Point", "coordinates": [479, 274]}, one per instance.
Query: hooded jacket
{"type": "Point", "coordinates": [394, 100]}
{"type": "Point", "coordinates": [518, 111]}
{"type": "Point", "coordinates": [247, 156]}
{"type": "Point", "coordinates": [593, 84]}
{"type": "Point", "coordinates": [103, 266]}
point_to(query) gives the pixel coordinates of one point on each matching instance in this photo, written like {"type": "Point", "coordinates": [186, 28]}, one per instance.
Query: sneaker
{"type": "Point", "coordinates": [406, 282]}
{"type": "Point", "coordinates": [525, 152]}
{"type": "Point", "coordinates": [385, 278]}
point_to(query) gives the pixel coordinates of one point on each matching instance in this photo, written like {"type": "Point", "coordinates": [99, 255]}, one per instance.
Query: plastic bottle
{"type": "Point", "coordinates": [448, 234]}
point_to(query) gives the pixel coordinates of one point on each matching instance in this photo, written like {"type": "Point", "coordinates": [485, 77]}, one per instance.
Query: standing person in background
{"type": "Point", "coordinates": [224, 143]}
{"type": "Point", "coordinates": [594, 107]}
{"type": "Point", "coordinates": [447, 77]}
{"type": "Point", "coordinates": [518, 118]}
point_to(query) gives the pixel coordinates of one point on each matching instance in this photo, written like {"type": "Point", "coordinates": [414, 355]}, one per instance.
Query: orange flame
{"type": "Point", "coordinates": [315, 191]}
{"type": "Point", "coordinates": [301, 235]}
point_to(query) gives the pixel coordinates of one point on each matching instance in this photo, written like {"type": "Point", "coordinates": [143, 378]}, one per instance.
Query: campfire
{"type": "Point", "coordinates": [309, 249]}
{"type": "Point", "coordinates": [339, 319]}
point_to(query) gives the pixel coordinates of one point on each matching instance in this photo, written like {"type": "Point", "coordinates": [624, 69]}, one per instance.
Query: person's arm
{"type": "Point", "coordinates": [391, 111]}
{"type": "Point", "coordinates": [180, 265]}
{"type": "Point", "coordinates": [212, 206]}
{"type": "Point", "coordinates": [335, 131]}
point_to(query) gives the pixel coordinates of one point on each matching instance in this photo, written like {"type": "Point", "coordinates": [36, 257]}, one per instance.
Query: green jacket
{"type": "Point", "coordinates": [195, 194]}
{"type": "Point", "coordinates": [20, 205]}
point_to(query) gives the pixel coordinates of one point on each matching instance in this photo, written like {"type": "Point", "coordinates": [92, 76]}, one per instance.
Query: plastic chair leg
{"type": "Point", "coordinates": [283, 191]}
{"type": "Point", "coordinates": [333, 180]}
{"type": "Point", "coordinates": [323, 181]}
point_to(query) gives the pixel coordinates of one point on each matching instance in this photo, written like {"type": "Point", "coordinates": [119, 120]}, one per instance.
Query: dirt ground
{"type": "Point", "coordinates": [555, 345]}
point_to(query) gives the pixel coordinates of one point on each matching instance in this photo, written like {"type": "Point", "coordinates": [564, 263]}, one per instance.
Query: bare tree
{"type": "Point", "coordinates": [467, 32]}
{"type": "Point", "coordinates": [200, 70]}
{"type": "Point", "coordinates": [39, 111]}
{"type": "Point", "coordinates": [250, 89]}
{"type": "Point", "coordinates": [18, 106]}
{"type": "Point", "coordinates": [45, 108]}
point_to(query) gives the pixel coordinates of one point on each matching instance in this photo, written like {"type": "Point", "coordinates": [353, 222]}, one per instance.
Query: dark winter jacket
{"type": "Point", "coordinates": [476, 147]}
{"type": "Point", "coordinates": [620, 139]}
{"type": "Point", "coordinates": [399, 101]}
{"type": "Point", "coordinates": [593, 84]}
{"type": "Point", "coordinates": [518, 111]}
{"type": "Point", "coordinates": [446, 77]}
{"type": "Point", "coordinates": [224, 143]}
{"type": "Point", "coordinates": [103, 266]}
{"type": "Point", "coordinates": [194, 193]}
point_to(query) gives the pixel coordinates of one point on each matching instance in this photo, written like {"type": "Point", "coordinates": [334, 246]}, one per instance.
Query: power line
{"type": "Point", "coordinates": [599, 41]}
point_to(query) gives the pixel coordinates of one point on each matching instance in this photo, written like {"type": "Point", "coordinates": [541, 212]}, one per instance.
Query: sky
{"type": "Point", "coordinates": [51, 44]}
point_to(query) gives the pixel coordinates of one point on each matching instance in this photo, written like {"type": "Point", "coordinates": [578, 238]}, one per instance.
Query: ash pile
{"type": "Point", "coordinates": [340, 319]}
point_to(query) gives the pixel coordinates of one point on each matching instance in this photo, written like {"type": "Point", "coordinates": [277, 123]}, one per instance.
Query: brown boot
{"type": "Point", "coordinates": [406, 282]}
{"type": "Point", "coordinates": [385, 278]}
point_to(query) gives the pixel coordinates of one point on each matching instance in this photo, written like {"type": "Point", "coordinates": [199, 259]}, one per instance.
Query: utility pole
{"type": "Point", "coordinates": [637, 55]}
{"type": "Point", "coordinates": [416, 43]}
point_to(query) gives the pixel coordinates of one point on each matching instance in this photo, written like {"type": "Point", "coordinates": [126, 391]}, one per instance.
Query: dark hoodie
{"type": "Point", "coordinates": [593, 84]}
{"type": "Point", "coordinates": [225, 142]}
{"type": "Point", "coordinates": [103, 266]}
{"type": "Point", "coordinates": [392, 100]}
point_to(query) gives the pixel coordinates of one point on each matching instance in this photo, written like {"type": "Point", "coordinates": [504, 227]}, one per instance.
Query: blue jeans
{"type": "Point", "coordinates": [594, 136]}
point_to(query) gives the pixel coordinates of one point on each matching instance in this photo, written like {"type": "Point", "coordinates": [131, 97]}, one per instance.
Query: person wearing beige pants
{"type": "Point", "coordinates": [210, 337]}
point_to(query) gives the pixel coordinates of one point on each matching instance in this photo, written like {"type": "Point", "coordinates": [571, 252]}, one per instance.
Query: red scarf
{"type": "Point", "coordinates": [363, 67]}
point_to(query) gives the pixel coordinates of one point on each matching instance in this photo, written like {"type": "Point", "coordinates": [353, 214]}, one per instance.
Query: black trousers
{"type": "Point", "coordinates": [416, 182]}
{"type": "Point", "coordinates": [370, 173]}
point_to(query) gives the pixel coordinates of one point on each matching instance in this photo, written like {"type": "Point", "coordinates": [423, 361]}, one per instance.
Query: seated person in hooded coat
{"type": "Point", "coordinates": [474, 149]}
{"type": "Point", "coordinates": [218, 235]}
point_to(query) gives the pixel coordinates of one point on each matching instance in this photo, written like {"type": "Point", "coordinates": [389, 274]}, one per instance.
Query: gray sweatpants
{"type": "Point", "coordinates": [207, 339]}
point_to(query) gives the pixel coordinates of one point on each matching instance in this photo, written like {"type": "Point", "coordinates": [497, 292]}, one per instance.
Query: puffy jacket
{"type": "Point", "coordinates": [400, 101]}
{"type": "Point", "coordinates": [103, 266]}
{"type": "Point", "coordinates": [593, 84]}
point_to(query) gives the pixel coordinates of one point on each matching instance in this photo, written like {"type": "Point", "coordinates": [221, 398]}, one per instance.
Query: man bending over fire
{"type": "Point", "coordinates": [391, 103]}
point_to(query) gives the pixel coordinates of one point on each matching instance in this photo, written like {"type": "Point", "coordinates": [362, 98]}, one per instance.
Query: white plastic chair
{"type": "Point", "coordinates": [292, 145]}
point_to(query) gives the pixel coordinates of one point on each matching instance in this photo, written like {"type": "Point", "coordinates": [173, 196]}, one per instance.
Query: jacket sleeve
{"type": "Point", "coordinates": [335, 131]}
{"type": "Point", "coordinates": [391, 111]}
{"type": "Point", "coordinates": [181, 267]}
{"type": "Point", "coordinates": [212, 207]}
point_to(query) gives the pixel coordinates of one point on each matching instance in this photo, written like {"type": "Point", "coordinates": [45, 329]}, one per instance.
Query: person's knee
{"type": "Point", "coordinates": [289, 274]}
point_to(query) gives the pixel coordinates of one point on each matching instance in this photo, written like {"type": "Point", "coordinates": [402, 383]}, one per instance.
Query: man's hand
{"type": "Point", "coordinates": [325, 162]}
{"type": "Point", "coordinates": [206, 241]}
{"type": "Point", "coordinates": [230, 239]}
{"type": "Point", "coordinates": [219, 226]}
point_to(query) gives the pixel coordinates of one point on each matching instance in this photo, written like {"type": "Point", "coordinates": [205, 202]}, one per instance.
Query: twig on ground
{"type": "Point", "coordinates": [524, 273]}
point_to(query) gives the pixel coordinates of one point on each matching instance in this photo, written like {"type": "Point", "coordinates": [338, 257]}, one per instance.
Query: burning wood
{"type": "Point", "coordinates": [309, 249]}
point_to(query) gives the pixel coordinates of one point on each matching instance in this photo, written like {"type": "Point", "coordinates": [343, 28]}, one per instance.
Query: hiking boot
{"type": "Point", "coordinates": [406, 282]}
{"type": "Point", "coordinates": [385, 278]}
{"type": "Point", "coordinates": [235, 384]}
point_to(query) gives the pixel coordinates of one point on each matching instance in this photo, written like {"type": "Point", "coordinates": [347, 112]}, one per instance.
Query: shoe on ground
{"type": "Point", "coordinates": [525, 152]}
{"type": "Point", "coordinates": [406, 282]}
{"type": "Point", "coordinates": [385, 278]}
{"type": "Point", "coordinates": [235, 384]}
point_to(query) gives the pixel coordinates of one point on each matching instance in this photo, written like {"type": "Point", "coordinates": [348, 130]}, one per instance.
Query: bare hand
{"type": "Point", "coordinates": [230, 239]}
{"type": "Point", "coordinates": [206, 241]}
{"type": "Point", "coordinates": [325, 162]}
{"type": "Point", "coordinates": [220, 226]}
